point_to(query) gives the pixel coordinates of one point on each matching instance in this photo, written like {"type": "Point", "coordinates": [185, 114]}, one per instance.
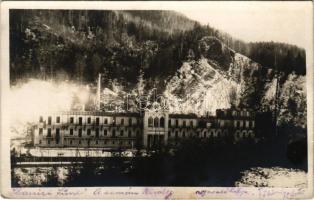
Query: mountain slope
{"type": "Point", "coordinates": [191, 64]}
{"type": "Point", "coordinates": [204, 85]}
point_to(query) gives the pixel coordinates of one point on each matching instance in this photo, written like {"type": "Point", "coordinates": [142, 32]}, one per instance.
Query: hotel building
{"type": "Point", "coordinates": [153, 127]}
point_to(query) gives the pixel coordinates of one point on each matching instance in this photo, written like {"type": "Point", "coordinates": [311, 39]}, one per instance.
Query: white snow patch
{"type": "Point", "coordinates": [273, 177]}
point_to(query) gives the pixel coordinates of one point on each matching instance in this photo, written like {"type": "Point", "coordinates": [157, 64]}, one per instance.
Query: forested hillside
{"type": "Point", "coordinates": [197, 68]}
{"type": "Point", "coordinates": [77, 45]}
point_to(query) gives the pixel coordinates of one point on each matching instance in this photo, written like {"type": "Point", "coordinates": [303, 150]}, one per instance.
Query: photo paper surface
{"type": "Point", "coordinates": [157, 100]}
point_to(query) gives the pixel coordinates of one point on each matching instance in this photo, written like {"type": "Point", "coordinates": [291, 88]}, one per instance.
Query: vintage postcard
{"type": "Point", "coordinates": [157, 100]}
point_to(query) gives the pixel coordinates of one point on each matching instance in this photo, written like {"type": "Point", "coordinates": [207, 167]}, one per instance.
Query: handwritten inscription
{"type": "Point", "coordinates": [261, 193]}
{"type": "Point", "coordinates": [36, 192]}
{"type": "Point", "coordinates": [105, 192]}
{"type": "Point", "coordinates": [159, 192]}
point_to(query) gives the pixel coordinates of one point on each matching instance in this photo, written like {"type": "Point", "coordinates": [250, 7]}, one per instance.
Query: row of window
{"type": "Point", "coordinates": [156, 122]}
{"type": "Point", "coordinates": [184, 123]}
{"type": "Point", "coordinates": [97, 142]}
{"type": "Point", "coordinates": [235, 113]}
{"type": "Point", "coordinates": [89, 120]}
{"type": "Point", "coordinates": [88, 132]}
{"type": "Point", "coordinates": [209, 134]}
{"type": "Point", "coordinates": [176, 134]}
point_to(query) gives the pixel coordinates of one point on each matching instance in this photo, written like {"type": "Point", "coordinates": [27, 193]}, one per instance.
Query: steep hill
{"type": "Point", "coordinates": [222, 78]}
{"type": "Point", "coordinates": [140, 50]}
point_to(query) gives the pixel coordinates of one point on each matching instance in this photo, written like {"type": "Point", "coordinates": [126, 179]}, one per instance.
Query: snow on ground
{"type": "Point", "coordinates": [29, 176]}
{"type": "Point", "coordinates": [273, 177]}
{"type": "Point", "coordinates": [70, 152]}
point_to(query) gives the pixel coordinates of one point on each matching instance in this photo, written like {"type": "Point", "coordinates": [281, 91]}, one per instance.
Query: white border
{"type": "Point", "coordinates": [176, 192]}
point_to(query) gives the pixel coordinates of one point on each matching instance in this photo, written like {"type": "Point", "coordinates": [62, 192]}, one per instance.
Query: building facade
{"type": "Point", "coordinates": [150, 129]}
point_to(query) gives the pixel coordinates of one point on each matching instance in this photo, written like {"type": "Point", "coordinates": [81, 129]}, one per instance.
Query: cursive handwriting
{"type": "Point", "coordinates": [161, 192]}
{"type": "Point", "coordinates": [157, 193]}
{"type": "Point", "coordinates": [260, 193]}
{"type": "Point", "coordinates": [103, 192]}
{"type": "Point", "coordinates": [36, 192]}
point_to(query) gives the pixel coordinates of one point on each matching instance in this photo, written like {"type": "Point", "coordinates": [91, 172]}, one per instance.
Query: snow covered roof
{"type": "Point", "coordinates": [184, 116]}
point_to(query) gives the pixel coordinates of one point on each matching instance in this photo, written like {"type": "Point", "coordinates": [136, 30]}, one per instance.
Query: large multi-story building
{"type": "Point", "coordinates": [148, 129]}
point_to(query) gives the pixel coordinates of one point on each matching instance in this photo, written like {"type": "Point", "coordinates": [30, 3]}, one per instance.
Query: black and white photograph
{"type": "Point", "coordinates": [159, 96]}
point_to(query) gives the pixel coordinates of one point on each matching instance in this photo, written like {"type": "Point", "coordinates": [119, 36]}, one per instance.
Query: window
{"type": "Point", "coordinates": [58, 119]}
{"type": "Point", "coordinates": [97, 132]}
{"type": "Point", "coordinates": [106, 121]}
{"type": "Point", "coordinates": [169, 133]}
{"type": "Point", "coordinates": [57, 136]}
{"type": "Point", "coordinates": [80, 142]}
{"type": "Point", "coordinates": [130, 134]}
{"type": "Point", "coordinates": [89, 120]}
{"type": "Point", "coordinates": [80, 120]}
{"type": "Point", "coordinates": [150, 122]}
{"type": "Point", "coordinates": [113, 142]}
{"type": "Point", "coordinates": [40, 131]}
{"type": "Point", "coordinates": [49, 120]}
{"type": "Point", "coordinates": [191, 123]}
{"type": "Point", "coordinates": [41, 119]}
{"type": "Point", "coordinates": [121, 133]}
{"type": "Point", "coordinates": [183, 134]}
{"type": "Point", "coordinates": [97, 120]}
{"type": "Point", "coordinates": [162, 122]}
{"type": "Point", "coordinates": [222, 122]}
{"type": "Point", "coordinates": [88, 131]}
{"type": "Point", "coordinates": [39, 141]}
{"type": "Point", "coordinates": [247, 124]}
{"type": "Point", "coordinates": [48, 141]}
{"type": "Point", "coordinates": [71, 131]}
{"type": "Point", "coordinates": [129, 142]}
{"type": "Point", "coordinates": [80, 133]}
{"type": "Point", "coordinates": [71, 120]}
{"type": "Point", "coordinates": [105, 141]}
{"type": "Point", "coordinates": [137, 133]}
{"type": "Point", "coordinates": [169, 122]}
{"type": "Point", "coordinates": [114, 133]}
{"type": "Point", "coordinates": [176, 134]}
{"type": "Point", "coordinates": [130, 121]}
{"type": "Point", "coordinates": [184, 123]}
{"type": "Point", "coordinates": [177, 123]}
{"type": "Point", "coordinates": [105, 132]}
{"type": "Point", "coordinates": [57, 133]}
{"type": "Point", "coordinates": [96, 142]}
{"type": "Point", "coordinates": [49, 132]}
{"type": "Point", "coordinates": [71, 142]}
{"type": "Point", "coordinates": [156, 122]}
{"type": "Point", "coordinates": [122, 122]}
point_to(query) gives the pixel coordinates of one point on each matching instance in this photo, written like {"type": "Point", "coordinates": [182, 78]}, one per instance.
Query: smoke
{"type": "Point", "coordinates": [33, 98]}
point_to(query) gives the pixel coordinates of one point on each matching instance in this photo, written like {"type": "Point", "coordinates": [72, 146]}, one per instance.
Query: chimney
{"type": "Point", "coordinates": [98, 91]}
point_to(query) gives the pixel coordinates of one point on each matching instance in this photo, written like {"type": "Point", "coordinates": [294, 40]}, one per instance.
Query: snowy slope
{"type": "Point", "coordinates": [199, 87]}
{"type": "Point", "coordinates": [204, 85]}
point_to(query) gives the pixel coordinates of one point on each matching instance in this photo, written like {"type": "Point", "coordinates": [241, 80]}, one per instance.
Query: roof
{"type": "Point", "coordinates": [100, 113]}
{"type": "Point", "coordinates": [183, 116]}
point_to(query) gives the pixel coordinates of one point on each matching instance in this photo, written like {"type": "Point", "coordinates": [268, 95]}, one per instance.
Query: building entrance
{"type": "Point", "coordinates": [155, 141]}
